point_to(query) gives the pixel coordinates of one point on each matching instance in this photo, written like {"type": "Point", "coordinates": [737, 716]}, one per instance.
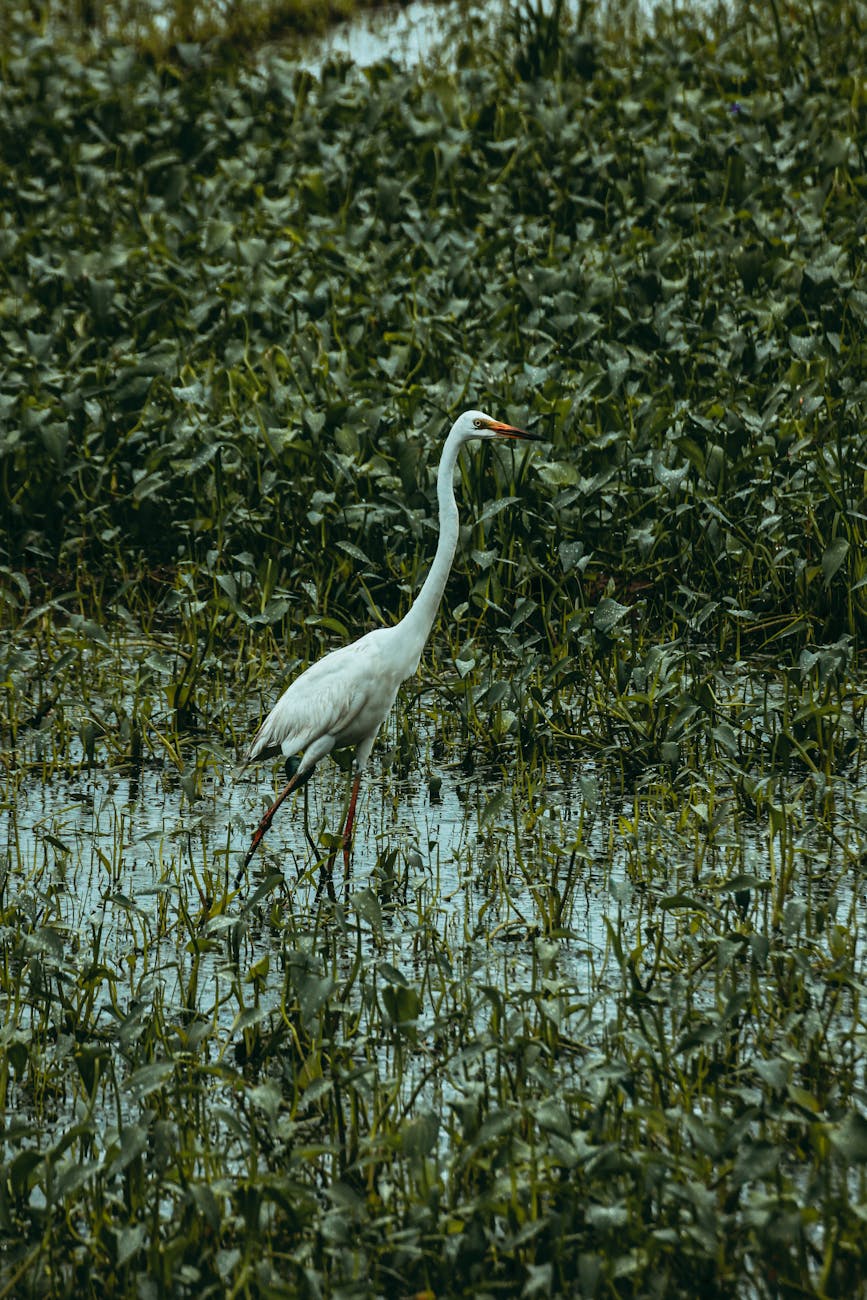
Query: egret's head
{"type": "Point", "coordinates": [475, 424]}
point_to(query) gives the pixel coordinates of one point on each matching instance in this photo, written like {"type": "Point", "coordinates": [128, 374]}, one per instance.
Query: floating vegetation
{"type": "Point", "coordinates": [585, 1017]}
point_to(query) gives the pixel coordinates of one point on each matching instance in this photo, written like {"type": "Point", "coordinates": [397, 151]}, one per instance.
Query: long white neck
{"type": "Point", "coordinates": [415, 626]}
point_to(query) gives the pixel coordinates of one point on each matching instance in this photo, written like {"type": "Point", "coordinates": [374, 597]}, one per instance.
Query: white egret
{"type": "Point", "coordinates": [342, 700]}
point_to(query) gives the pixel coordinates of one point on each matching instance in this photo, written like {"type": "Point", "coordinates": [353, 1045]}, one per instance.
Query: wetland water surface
{"type": "Point", "coordinates": [546, 882]}
{"type": "Point", "coordinates": [538, 957]}
{"type": "Point", "coordinates": [459, 853]}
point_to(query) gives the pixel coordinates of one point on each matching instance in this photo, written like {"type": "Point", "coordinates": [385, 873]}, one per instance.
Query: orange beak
{"type": "Point", "coordinates": [509, 431]}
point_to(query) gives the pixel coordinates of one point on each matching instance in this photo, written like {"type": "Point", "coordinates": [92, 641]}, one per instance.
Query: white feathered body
{"type": "Point", "coordinates": [340, 701]}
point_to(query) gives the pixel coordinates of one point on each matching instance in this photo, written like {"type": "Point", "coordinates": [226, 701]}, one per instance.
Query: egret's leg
{"type": "Point", "coordinates": [350, 821]}
{"type": "Point", "coordinates": [295, 781]}
{"type": "Point", "coordinates": [346, 832]}
{"type": "Point", "coordinates": [307, 832]}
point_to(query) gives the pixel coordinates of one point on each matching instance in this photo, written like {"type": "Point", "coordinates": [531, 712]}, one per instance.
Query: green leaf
{"type": "Point", "coordinates": [833, 557]}
{"type": "Point", "coordinates": [850, 1138]}
{"type": "Point", "coordinates": [608, 614]}
{"type": "Point", "coordinates": [148, 1078]}
{"type": "Point", "coordinates": [367, 907]}
{"type": "Point", "coordinates": [313, 993]}
{"type": "Point", "coordinates": [130, 1239]}
{"type": "Point", "coordinates": [419, 1136]}
{"type": "Point", "coordinates": [217, 234]}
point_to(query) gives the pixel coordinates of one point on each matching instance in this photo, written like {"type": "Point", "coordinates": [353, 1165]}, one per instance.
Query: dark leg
{"type": "Point", "coordinates": [350, 821]}
{"type": "Point", "coordinates": [346, 834]}
{"type": "Point", "coordinates": [308, 836]}
{"type": "Point", "coordinates": [266, 821]}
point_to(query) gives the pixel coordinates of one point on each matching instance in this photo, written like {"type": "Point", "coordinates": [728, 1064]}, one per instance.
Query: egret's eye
{"type": "Point", "coordinates": [478, 424]}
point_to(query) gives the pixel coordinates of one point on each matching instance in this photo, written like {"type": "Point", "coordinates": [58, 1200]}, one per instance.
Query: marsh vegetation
{"type": "Point", "coordinates": [585, 1017]}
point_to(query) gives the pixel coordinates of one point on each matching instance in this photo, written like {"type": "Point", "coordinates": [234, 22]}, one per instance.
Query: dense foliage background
{"type": "Point", "coordinates": [239, 306]}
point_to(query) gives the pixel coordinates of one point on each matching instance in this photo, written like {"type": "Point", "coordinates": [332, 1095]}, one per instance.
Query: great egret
{"type": "Point", "coordinates": [343, 699]}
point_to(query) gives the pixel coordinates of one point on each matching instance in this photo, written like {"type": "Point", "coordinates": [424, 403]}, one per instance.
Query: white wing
{"type": "Point", "coordinates": [341, 700]}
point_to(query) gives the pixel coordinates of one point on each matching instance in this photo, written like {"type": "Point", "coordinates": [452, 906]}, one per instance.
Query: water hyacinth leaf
{"type": "Point", "coordinates": [55, 439]}
{"type": "Point", "coordinates": [148, 1078]}
{"type": "Point", "coordinates": [557, 474]}
{"type": "Point", "coordinates": [608, 614]}
{"type": "Point", "coordinates": [130, 1239]}
{"type": "Point", "coordinates": [315, 1090]}
{"type": "Point", "coordinates": [247, 1018]}
{"type": "Point", "coordinates": [850, 1138]}
{"type": "Point", "coordinates": [803, 346]}
{"type": "Point", "coordinates": [314, 992]}
{"type": "Point", "coordinates": [570, 554]}
{"type": "Point", "coordinates": [205, 1202]}
{"type": "Point", "coordinates": [494, 807]}
{"type": "Point", "coordinates": [367, 908]}
{"type": "Point", "coordinates": [756, 1161]}
{"type": "Point", "coordinates": [402, 1004]}
{"type": "Point", "coordinates": [229, 585]}
{"type": "Point", "coordinates": [693, 453]}
{"type": "Point", "coordinates": [349, 548]}
{"type": "Point", "coordinates": [217, 234]}
{"type": "Point", "coordinates": [607, 1218]}
{"type": "Point", "coordinates": [589, 787]}
{"type": "Point", "coordinates": [673, 901]}
{"type": "Point", "coordinates": [465, 663]}
{"type": "Point", "coordinates": [668, 477]}
{"type": "Point", "coordinates": [392, 974]}
{"type": "Point", "coordinates": [833, 557]}
{"type": "Point", "coordinates": [133, 1143]}
{"type": "Point", "coordinates": [539, 1280]}
{"type": "Point", "coordinates": [714, 465]}
{"type": "Point", "coordinates": [744, 880]}
{"type": "Point", "coordinates": [275, 611]}
{"type": "Point", "coordinates": [554, 1117]}
{"type": "Point", "coordinates": [60, 845]}
{"type": "Point", "coordinates": [330, 625]}
{"type": "Point", "coordinates": [494, 508]}
{"type": "Point", "coordinates": [775, 1072]}
{"type": "Point", "coordinates": [230, 1119]}
{"type": "Point", "coordinates": [498, 1123]}
{"type": "Point", "coordinates": [267, 1096]}
{"type": "Point", "coordinates": [803, 1099]}
{"type": "Point", "coordinates": [483, 559]}
{"type": "Point", "coordinates": [420, 1135]}
{"type": "Point", "coordinates": [22, 1171]}
{"type": "Point", "coordinates": [725, 737]}
{"type": "Point", "coordinates": [17, 1054]}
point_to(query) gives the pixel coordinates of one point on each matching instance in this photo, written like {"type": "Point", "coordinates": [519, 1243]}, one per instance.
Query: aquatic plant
{"type": "Point", "coordinates": [585, 1018]}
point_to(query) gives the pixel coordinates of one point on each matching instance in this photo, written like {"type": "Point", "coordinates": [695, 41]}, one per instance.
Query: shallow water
{"type": "Point", "coordinates": [409, 35]}
{"type": "Point", "coordinates": [544, 882]}
{"type": "Point", "coordinates": [424, 31]}
{"type": "Point", "coordinates": [96, 832]}
{"type": "Point", "coordinates": [121, 871]}
{"type": "Point", "coordinates": [474, 858]}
